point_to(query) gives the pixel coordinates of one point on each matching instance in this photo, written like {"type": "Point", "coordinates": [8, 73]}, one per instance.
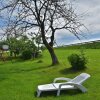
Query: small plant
{"type": "Point", "coordinates": [27, 54]}
{"type": "Point", "coordinates": [77, 61]}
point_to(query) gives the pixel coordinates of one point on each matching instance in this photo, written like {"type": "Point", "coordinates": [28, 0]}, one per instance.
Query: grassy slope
{"type": "Point", "coordinates": [94, 45]}
{"type": "Point", "coordinates": [19, 80]}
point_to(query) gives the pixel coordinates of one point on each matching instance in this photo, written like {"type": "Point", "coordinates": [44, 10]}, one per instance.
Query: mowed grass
{"type": "Point", "coordinates": [19, 79]}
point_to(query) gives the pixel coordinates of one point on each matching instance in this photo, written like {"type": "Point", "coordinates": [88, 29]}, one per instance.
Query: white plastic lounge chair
{"type": "Point", "coordinates": [75, 83]}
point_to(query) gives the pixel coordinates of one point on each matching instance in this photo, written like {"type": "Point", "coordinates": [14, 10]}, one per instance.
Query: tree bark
{"type": "Point", "coordinates": [53, 55]}
{"type": "Point", "coordinates": [49, 48]}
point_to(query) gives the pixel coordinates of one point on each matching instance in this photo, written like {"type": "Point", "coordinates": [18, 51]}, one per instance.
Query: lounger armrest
{"type": "Point", "coordinates": [79, 86]}
{"type": "Point", "coordinates": [61, 78]}
{"type": "Point", "coordinates": [68, 83]}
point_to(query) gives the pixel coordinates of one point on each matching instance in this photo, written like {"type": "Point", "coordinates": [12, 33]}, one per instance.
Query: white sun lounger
{"type": "Point", "coordinates": [75, 83]}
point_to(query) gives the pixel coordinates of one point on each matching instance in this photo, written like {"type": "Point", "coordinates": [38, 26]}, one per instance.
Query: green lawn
{"type": "Point", "coordinates": [19, 79]}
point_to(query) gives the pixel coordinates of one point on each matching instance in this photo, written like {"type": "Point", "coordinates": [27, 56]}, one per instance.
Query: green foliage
{"type": "Point", "coordinates": [18, 45]}
{"type": "Point", "coordinates": [78, 62]}
{"type": "Point", "coordinates": [27, 54]}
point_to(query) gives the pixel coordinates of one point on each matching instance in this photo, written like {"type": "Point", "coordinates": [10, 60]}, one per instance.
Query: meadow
{"type": "Point", "coordinates": [19, 79]}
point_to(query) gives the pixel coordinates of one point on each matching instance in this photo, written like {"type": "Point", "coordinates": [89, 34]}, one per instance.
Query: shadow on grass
{"type": "Point", "coordinates": [69, 71]}
{"type": "Point", "coordinates": [13, 61]}
{"type": "Point", "coordinates": [21, 60]}
{"type": "Point", "coordinates": [63, 93]}
{"type": "Point", "coordinates": [28, 70]}
{"type": "Point", "coordinates": [2, 79]}
{"type": "Point", "coordinates": [17, 60]}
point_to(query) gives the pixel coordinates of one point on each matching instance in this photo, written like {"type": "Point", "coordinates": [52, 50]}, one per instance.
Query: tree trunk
{"type": "Point", "coordinates": [49, 48]}
{"type": "Point", "coordinates": [52, 53]}
{"type": "Point", "coordinates": [53, 56]}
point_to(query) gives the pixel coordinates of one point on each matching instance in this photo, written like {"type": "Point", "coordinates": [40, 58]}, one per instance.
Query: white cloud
{"type": "Point", "coordinates": [89, 15]}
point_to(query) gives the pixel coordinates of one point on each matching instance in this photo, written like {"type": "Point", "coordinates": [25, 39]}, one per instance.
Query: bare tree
{"type": "Point", "coordinates": [48, 16]}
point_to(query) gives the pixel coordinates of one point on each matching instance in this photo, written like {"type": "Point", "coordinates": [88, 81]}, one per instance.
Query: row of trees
{"type": "Point", "coordinates": [22, 43]}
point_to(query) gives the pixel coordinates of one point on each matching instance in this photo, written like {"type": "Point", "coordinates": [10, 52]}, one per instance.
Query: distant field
{"type": "Point", "coordinates": [88, 45]}
{"type": "Point", "coordinates": [19, 79]}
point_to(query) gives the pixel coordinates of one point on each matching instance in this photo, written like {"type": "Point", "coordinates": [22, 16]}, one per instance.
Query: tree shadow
{"type": "Point", "coordinates": [17, 60]}
{"type": "Point", "coordinates": [28, 70]}
{"type": "Point", "coordinates": [2, 78]}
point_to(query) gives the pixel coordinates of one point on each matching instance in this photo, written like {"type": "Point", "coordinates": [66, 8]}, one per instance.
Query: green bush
{"type": "Point", "coordinates": [27, 54]}
{"type": "Point", "coordinates": [78, 62]}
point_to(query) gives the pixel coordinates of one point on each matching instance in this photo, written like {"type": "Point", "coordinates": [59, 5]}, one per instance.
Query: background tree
{"type": "Point", "coordinates": [19, 44]}
{"type": "Point", "coordinates": [48, 16]}
{"type": "Point", "coordinates": [36, 39]}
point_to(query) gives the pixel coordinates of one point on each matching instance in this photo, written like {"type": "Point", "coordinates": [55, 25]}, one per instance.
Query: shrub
{"type": "Point", "coordinates": [78, 62]}
{"type": "Point", "coordinates": [27, 54]}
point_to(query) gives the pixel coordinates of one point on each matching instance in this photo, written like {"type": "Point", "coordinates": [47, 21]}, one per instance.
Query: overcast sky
{"type": "Point", "coordinates": [90, 12]}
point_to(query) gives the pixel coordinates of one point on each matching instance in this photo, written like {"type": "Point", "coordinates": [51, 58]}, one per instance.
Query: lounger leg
{"type": "Point", "coordinates": [38, 93]}
{"type": "Point", "coordinates": [82, 88]}
{"type": "Point", "coordinates": [58, 92]}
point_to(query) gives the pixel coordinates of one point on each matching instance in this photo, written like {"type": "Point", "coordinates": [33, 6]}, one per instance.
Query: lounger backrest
{"type": "Point", "coordinates": [81, 78]}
